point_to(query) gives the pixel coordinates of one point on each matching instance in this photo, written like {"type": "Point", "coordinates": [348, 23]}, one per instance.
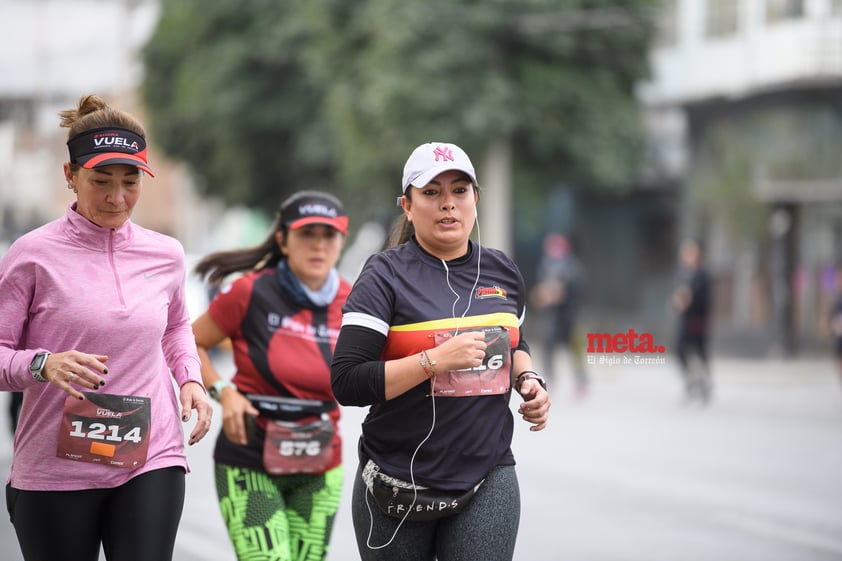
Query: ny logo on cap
{"type": "Point", "coordinates": [443, 152]}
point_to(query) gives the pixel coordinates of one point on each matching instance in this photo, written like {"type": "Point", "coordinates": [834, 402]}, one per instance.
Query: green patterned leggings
{"type": "Point", "coordinates": [278, 517]}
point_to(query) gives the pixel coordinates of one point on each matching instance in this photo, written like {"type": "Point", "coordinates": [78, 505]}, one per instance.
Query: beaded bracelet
{"type": "Point", "coordinates": [428, 365]}
{"type": "Point", "coordinates": [529, 375]}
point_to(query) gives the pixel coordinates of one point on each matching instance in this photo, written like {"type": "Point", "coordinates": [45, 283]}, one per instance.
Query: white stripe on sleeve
{"type": "Point", "coordinates": [365, 320]}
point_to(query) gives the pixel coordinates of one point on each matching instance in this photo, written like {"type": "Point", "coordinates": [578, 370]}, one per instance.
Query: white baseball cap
{"type": "Point", "coordinates": [431, 159]}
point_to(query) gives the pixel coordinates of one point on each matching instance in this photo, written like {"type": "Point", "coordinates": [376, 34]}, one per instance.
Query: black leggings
{"type": "Point", "coordinates": [136, 521]}
{"type": "Point", "coordinates": [486, 529]}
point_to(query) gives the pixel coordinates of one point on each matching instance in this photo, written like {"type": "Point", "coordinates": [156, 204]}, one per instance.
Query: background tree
{"type": "Point", "coordinates": [229, 90]}
{"type": "Point", "coordinates": [262, 98]}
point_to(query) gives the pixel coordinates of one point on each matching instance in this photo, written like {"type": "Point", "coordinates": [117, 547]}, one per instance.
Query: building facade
{"type": "Point", "coordinates": [745, 109]}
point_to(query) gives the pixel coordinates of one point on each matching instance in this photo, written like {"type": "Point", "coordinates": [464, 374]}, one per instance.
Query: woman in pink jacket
{"type": "Point", "coordinates": [94, 330]}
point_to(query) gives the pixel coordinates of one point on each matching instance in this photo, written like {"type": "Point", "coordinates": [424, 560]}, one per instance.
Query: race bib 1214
{"type": "Point", "coordinates": [105, 429]}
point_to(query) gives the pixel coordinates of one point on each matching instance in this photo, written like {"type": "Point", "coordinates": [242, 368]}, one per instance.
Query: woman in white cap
{"type": "Point", "coordinates": [278, 458]}
{"type": "Point", "coordinates": [431, 341]}
{"type": "Point", "coordinates": [94, 330]}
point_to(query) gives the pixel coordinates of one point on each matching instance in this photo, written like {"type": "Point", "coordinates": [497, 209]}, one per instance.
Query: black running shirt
{"type": "Point", "coordinates": [406, 295]}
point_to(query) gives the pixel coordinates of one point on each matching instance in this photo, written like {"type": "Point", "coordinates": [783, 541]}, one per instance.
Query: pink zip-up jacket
{"type": "Point", "coordinates": [72, 285]}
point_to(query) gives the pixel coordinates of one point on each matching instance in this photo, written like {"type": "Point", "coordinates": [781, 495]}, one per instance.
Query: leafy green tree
{"type": "Point", "coordinates": [261, 97]}
{"type": "Point", "coordinates": [229, 91]}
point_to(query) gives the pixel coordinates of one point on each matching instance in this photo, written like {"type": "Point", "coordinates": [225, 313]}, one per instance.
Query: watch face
{"type": "Point", "coordinates": [37, 363]}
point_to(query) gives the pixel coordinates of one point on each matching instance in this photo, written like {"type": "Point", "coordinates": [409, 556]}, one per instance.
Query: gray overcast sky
{"type": "Point", "coordinates": [71, 47]}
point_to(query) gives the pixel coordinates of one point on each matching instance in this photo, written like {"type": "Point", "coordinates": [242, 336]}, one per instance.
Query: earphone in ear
{"type": "Point", "coordinates": [475, 213]}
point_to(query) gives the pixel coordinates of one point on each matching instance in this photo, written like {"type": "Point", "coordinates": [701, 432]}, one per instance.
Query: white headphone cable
{"type": "Point", "coordinates": [411, 477]}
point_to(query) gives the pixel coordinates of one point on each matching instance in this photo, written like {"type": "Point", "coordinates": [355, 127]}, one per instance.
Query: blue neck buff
{"type": "Point", "coordinates": [301, 294]}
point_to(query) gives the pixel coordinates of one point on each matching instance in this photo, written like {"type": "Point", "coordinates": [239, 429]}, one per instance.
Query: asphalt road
{"type": "Point", "coordinates": [631, 473]}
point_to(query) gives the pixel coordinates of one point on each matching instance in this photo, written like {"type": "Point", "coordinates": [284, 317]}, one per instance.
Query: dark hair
{"type": "Point", "coordinates": [215, 267]}
{"type": "Point", "coordinates": [402, 229]}
{"type": "Point", "coordinates": [93, 113]}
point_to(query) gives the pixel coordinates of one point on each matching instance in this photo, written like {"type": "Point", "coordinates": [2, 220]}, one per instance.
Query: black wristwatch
{"type": "Point", "coordinates": [36, 367]}
{"type": "Point", "coordinates": [529, 375]}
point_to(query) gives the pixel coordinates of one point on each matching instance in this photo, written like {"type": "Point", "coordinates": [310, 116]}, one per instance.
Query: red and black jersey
{"type": "Point", "coordinates": [408, 297]}
{"type": "Point", "coordinates": [275, 338]}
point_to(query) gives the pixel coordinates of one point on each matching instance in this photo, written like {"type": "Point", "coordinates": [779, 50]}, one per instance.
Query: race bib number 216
{"type": "Point", "coordinates": [492, 377]}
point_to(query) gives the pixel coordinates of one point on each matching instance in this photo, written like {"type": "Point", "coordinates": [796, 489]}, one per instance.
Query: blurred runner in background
{"type": "Point", "coordinates": [557, 296]}
{"type": "Point", "coordinates": [692, 302]}
{"type": "Point", "coordinates": [836, 321]}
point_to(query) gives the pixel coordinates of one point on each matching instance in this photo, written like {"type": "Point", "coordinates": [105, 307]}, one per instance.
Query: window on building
{"type": "Point", "coordinates": [777, 10]}
{"type": "Point", "coordinates": [722, 17]}
{"type": "Point", "coordinates": [667, 31]}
